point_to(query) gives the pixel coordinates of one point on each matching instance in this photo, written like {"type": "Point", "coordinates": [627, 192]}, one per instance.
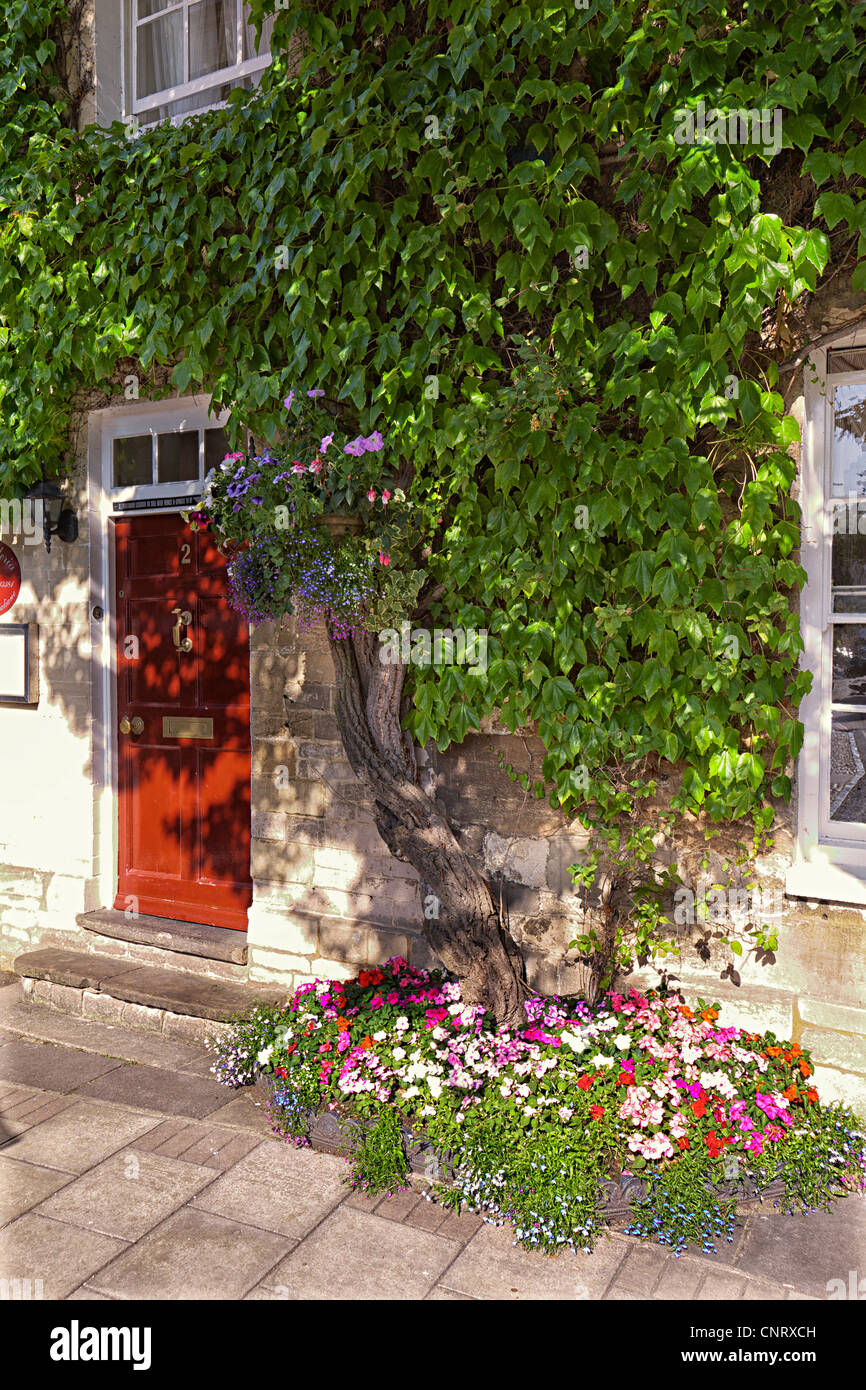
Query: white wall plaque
{"type": "Point", "coordinates": [19, 662]}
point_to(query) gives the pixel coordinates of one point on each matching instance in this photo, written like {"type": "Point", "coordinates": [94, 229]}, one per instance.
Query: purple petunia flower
{"type": "Point", "coordinates": [356, 447]}
{"type": "Point", "coordinates": [314, 393]}
{"type": "Point", "coordinates": [288, 401]}
{"type": "Point", "coordinates": [374, 443]}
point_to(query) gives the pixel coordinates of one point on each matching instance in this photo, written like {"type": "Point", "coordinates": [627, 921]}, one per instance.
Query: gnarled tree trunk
{"type": "Point", "coordinates": [467, 935]}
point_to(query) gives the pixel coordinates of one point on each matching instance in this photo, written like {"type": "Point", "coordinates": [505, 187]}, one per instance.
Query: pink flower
{"type": "Point", "coordinates": [383, 558]}
{"type": "Point", "coordinates": [299, 468]}
{"type": "Point", "coordinates": [386, 497]}
{"type": "Point", "coordinates": [316, 466]}
{"type": "Point", "coordinates": [371, 496]}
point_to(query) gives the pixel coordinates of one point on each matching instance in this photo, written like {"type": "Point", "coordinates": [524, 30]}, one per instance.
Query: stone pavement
{"type": "Point", "coordinates": [127, 1172]}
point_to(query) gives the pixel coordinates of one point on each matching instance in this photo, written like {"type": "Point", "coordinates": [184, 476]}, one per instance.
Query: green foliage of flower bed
{"type": "Point", "coordinates": [528, 1126]}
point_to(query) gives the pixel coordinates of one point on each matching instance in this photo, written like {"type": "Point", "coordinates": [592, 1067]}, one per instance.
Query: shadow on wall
{"type": "Point", "coordinates": [46, 814]}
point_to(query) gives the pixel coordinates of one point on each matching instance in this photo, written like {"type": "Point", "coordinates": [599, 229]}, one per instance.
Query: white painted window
{"type": "Point", "coordinates": [183, 56]}
{"type": "Point", "coordinates": [831, 847]}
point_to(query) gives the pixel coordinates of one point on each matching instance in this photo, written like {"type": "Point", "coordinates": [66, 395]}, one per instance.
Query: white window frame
{"type": "Point", "coordinates": [830, 858]}
{"type": "Point", "coordinates": [212, 81]}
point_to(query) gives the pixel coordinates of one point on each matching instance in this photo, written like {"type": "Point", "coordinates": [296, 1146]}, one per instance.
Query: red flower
{"type": "Point", "coordinates": [683, 1142]}
{"type": "Point", "coordinates": [625, 1078]}
{"type": "Point", "coordinates": [596, 1111]}
{"type": "Point", "coordinates": [699, 1107]}
{"type": "Point", "coordinates": [584, 1082]}
{"type": "Point", "coordinates": [370, 978]}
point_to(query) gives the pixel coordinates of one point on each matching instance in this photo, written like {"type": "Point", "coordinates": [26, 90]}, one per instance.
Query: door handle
{"type": "Point", "coordinates": [183, 644]}
{"type": "Point", "coordinates": [132, 726]}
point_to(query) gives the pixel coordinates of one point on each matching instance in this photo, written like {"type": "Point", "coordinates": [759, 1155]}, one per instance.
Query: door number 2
{"type": "Point", "coordinates": [185, 553]}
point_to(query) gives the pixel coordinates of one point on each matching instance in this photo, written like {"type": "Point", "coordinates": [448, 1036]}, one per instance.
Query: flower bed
{"type": "Point", "coordinates": [554, 1127]}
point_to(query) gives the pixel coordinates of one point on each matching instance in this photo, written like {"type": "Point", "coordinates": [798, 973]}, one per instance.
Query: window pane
{"type": "Point", "coordinates": [133, 461]}
{"type": "Point", "coordinates": [849, 556]}
{"type": "Point", "coordinates": [149, 7]}
{"type": "Point", "coordinates": [216, 446]}
{"type": "Point", "coordinates": [848, 768]}
{"type": "Point", "coordinates": [849, 441]}
{"type": "Point", "coordinates": [159, 63]}
{"type": "Point", "coordinates": [250, 50]}
{"type": "Point", "coordinates": [213, 36]}
{"type": "Point", "coordinates": [177, 457]}
{"type": "Point", "coordinates": [849, 663]}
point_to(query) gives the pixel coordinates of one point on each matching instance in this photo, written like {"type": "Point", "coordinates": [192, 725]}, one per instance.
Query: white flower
{"type": "Point", "coordinates": [599, 1061]}
{"type": "Point", "coordinates": [401, 1024]}
{"type": "Point", "coordinates": [265, 1056]}
{"type": "Point", "coordinates": [572, 1040]}
{"type": "Point", "coordinates": [523, 1091]}
{"type": "Point", "coordinates": [622, 1041]}
{"type": "Point", "coordinates": [399, 1053]}
{"type": "Point", "coordinates": [411, 1091]}
{"type": "Point", "coordinates": [377, 1037]}
{"type": "Point", "coordinates": [435, 1086]}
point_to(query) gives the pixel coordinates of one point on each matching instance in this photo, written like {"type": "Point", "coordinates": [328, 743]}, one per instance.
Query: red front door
{"type": "Point", "coordinates": [183, 712]}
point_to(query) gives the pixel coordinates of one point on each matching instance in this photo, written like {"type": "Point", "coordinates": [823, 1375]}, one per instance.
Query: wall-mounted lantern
{"type": "Point", "coordinates": [58, 517]}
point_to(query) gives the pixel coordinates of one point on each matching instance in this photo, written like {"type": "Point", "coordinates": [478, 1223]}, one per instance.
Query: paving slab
{"type": "Point", "coordinates": [127, 1194]}
{"type": "Point", "coordinates": [641, 1269]}
{"type": "Point", "coordinates": [491, 1266]}
{"type": "Point", "coordinates": [51, 1068]}
{"type": "Point", "coordinates": [353, 1256]}
{"type": "Point", "coordinates": [81, 1135]}
{"type": "Point", "coordinates": [35, 1247]}
{"type": "Point", "coordinates": [22, 1107]}
{"type": "Point", "coordinates": [724, 1287]}
{"type": "Point", "coordinates": [678, 1282]}
{"type": "Point", "coordinates": [278, 1188]}
{"type": "Point", "coordinates": [151, 1088]}
{"type": "Point", "coordinates": [808, 1252]}
{"type": "Point", "coordinates": [24, 1185]}
{"type": "Point", "coordinates": [212, 1147]}
{"type": "Point", "coordinates": [242, 1113]}
{"type": "Point", "coordinates": [193, 1254]}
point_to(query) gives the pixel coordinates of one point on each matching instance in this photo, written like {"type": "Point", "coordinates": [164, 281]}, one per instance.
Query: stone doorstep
{"type": "Point", "coordinates": [187, 938]}
{"type": "Point", "coordinates": [145, 995]}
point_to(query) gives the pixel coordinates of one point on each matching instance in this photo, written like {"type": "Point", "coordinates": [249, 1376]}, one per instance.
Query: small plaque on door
{"type": "Point", "coordinates": [178, 726]}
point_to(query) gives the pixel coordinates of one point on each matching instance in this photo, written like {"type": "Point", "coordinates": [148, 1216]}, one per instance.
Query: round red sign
{"type": "Point", "coordinates": [10, 578]}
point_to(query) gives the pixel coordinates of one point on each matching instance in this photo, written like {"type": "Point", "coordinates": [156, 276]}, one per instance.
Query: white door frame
{"type": "Point", "coordinates": [143, 417]}
{"type": "Point", "coordinates": [830, 862]}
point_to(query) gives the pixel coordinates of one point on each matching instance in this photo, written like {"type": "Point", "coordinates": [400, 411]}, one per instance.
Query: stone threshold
{"type": "Point", "coordinates": [186, 938]}
{"type": "Point", "coordinates": [156, 1000]}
